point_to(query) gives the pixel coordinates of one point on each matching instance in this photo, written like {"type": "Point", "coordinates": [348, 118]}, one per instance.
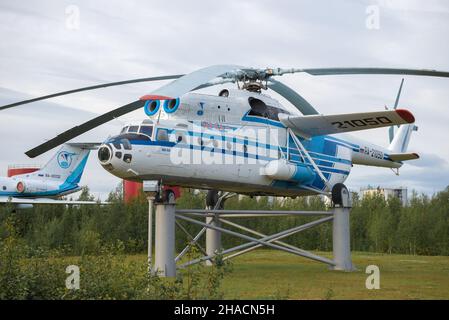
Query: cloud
{"type": "Point", "coordinates": [132, 39]}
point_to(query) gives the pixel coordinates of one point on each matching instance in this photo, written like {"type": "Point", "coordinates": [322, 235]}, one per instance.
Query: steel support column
{"type": "Point", "coordinates": [164, 264]}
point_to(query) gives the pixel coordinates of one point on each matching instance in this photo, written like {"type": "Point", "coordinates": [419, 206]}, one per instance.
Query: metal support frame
{"type": "Point", "coordinates": [165, 262]}
{"type": "Point", "coordinates": [213, 236]}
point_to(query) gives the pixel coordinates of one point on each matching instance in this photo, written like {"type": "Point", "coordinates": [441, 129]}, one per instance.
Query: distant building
{"type": "Point", "coordinates": [387, 193]}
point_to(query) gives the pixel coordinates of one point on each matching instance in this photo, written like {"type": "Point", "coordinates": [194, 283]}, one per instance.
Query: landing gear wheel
{"type": "Point", "coordinates": [340, 195]}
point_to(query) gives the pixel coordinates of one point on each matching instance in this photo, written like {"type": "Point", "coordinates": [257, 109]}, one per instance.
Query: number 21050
{"type": "Point", "coordinates": [362, 122]}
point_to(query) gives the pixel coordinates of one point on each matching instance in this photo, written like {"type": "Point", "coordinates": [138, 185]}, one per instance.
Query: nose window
{"type": "Point", "coordinates": [118, 154]}
{"type": "Point", "coordinates": [104, 154]}
{"type": "Point", "coordinates": [127, 158]}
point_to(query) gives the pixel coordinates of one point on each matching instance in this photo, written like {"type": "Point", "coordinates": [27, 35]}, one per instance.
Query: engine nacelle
{"type": "Point", "coordinates": [283, 170]}
{"type": "Point", "coordinates": [31, 186]}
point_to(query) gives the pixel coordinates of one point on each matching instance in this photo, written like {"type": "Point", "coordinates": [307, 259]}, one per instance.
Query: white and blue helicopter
{"type": "Point", "coordinates": [59, 177]}
{"type": "Point", "coordinates": [242, 140]}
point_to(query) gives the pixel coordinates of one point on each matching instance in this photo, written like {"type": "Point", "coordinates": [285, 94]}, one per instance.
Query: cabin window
{"type": "Point", "coordinates": [133, 129]}
{"type": "Point", "coordinates": [4, 187]}
{"type": "Point", "coordinates": [146, 130]}
{"type": "Point", "coordinates": [162, 135]}
{"type": "Point", "coordinates": [224, 93]}
{"type": "Point", "coordinates": [261, 109]}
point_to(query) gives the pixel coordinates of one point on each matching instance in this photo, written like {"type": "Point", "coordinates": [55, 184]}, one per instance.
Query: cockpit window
{"type": "Point", "coordinates": [124, 130]}
{"type": "Point", "coordinates": [147, 130]}
{"type": "Point", "coordinates": [133, 129]}
{"type": "Point", "coordinates": [127, 137]}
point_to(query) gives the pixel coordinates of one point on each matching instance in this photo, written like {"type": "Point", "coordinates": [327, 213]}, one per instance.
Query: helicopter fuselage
{"type": "Point", "coordinates": [233, 143]}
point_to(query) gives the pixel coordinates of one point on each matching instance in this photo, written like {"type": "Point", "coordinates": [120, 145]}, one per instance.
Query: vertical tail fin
{"type": "Point", "coordinates": [67, 165]}
{"type": "Point", "coordinates": [402, 138]}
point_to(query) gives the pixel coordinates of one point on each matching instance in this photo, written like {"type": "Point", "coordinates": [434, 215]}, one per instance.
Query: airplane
{"type": "Point", "coordinates": [242, 140]}
{"type": "Point", "coordinates": [59, 177]}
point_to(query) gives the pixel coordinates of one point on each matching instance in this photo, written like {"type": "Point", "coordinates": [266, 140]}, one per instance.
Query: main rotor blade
{"type": "Point", "coordinates": [348, 71]}
{"type": "Point", "coordinates": [78, 130]}
{"type": "Point", "coordinates": [99, 86]}
{"type": "Point", "coordinates": [293, 97]}
{"type": "Point", "coordinates": [176, 88]}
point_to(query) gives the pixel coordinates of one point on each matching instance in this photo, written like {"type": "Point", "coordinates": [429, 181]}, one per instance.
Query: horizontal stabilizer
{"type": "Point", "coordinates": [317, 125]}
{"type": "Point", "coordinates": [403, 156]}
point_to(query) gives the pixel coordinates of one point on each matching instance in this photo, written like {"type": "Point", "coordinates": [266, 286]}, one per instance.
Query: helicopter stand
{"type": "Point", "coordinates": [340, 228]}
{"type": "Point", "coordinates": [165, 261]}
{"type": "Point", "coordinates": [214, 201]}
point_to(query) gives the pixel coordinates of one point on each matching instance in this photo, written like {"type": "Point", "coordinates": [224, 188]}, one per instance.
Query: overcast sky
{"type": "Point", "coordinates": [50, 46]}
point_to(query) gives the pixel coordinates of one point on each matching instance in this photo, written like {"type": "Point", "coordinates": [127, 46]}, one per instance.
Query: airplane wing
{"type": "Point", "coordinates": [46, 201]}
{"type": "Point", "coordinates": [317, 125]}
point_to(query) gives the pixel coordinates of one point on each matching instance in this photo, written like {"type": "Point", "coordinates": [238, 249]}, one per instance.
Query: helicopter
{"type": "Point", "coordinates": [243, 140]}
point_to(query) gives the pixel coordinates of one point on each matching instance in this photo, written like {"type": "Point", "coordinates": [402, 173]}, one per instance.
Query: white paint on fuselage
{"type": "Point", "coordinates": [228, 116]}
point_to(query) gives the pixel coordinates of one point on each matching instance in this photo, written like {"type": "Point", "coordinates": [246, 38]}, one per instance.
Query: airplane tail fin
{"type": "Point", "coordinates": [67, 165]}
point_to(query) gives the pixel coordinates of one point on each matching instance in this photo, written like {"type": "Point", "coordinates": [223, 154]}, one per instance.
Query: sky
{"type": "Point", "coordinates": [51, 46]}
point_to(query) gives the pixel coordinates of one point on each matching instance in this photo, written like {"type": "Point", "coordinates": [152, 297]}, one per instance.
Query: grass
{"type": "Point", "coordinates": [267, 274]}
{"type": "Point", "coordinates": [270, 274]}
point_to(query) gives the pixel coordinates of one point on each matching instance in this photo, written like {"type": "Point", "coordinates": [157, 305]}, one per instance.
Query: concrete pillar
{"type": "Point", "coordinates": [164, 264]}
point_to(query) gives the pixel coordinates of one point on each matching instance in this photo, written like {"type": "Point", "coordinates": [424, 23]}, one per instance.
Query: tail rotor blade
{"type": "Point", "coordinates": [396, 103]}
{"type": "Point", "coordinates": [399, 94]}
